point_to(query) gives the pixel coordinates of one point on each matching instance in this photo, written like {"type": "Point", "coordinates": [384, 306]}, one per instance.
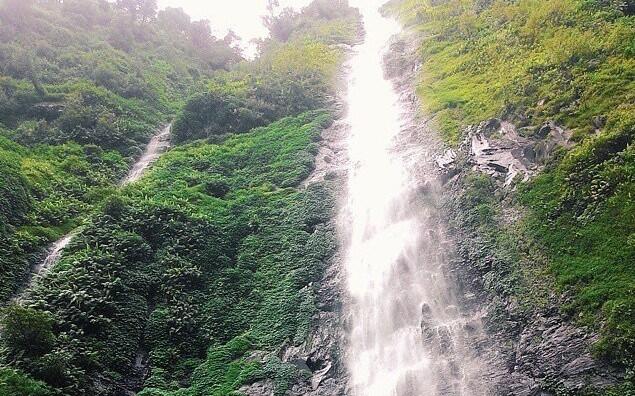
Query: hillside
{"type": "Point", "coordinates": [83, 85]}
{"type": "Point", "coordinates": [175, 281]}
{"type": "Point", "coordinates": [463, 224]}
{"type": "Point", "coordinates": [541, 66]}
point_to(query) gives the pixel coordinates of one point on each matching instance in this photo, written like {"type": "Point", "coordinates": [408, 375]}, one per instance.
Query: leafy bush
{"type": "Point", "coordinates": [80, 107]}
{"type": "Point", "coordinates": [15, 383]}
{"type": "Point", "coordinates": [26, 332]}
{"type": "Point", "coordinates": [173, 269]}
{"type": "Point", "coordinates": [177, 268]}
{"type": "Point", "coordinates": [15, 201]}
{"type": "Point", "coordinates": [215, 113]}
{"type": "Point", "coordinates": [289, 79]}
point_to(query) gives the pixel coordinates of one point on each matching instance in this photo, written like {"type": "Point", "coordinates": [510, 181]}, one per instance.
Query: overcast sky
{"type": "Point", "coordinates": [242, 16]}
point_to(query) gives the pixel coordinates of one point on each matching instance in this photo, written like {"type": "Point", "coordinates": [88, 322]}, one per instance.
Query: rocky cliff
{"type": "Point", "coordinates": [532, 347]}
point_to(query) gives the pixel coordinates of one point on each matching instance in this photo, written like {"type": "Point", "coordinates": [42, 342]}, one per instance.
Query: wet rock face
{"type": "Point", "coordinates": [318, 355]}
{"type": "Point", "coordinates": [260, 388]}
{"type": "Point", "coordinates": [320, 371]}
{"type": "Point", "coordinates": [497, 148]}
{"type": "Point", "coordinates": [553, 350]}
{"type": "Point", "coordinates": [530, 351]}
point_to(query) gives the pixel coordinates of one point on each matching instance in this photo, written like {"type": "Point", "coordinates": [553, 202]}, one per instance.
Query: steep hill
{"type": "Point", "coordinates": [189, 281]}
{"type": "Point", "coordinates": [549, 84]}
{"type": "Point", "coordinates": [83, 85]}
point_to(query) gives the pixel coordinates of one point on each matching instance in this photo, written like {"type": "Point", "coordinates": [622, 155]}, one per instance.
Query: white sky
{"type": "Point", "coordinates": [242, 16]}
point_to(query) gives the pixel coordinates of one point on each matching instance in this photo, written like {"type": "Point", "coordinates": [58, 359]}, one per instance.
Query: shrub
{"type": "Point", "coordinates": [27, 332]}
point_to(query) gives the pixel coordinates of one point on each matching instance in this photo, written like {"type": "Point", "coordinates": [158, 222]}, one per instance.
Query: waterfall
{"type": "Point", "coordinates": [406, 335]}
{"type": "Point", "coordinates": [53, 254]}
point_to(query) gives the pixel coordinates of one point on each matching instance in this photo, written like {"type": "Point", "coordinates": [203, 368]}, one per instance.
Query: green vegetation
{"type": "Point", "coordinates": [572, 61]}
{"type": "Point", "coordinates": [222, 248]}
{"type": "Point", "coordinates": [295, 73]}
{"type": "Point", "coordinates": [189, 281]}
{"type": "Point", "coordinates": [13, 382]}
{"type": "Point", "coordinates": [289, 79]}
{"type": "Point", "coordinates": [83, 84]}
{"type": "Point", "coordinates": [528, 60]}
{"type": "Point", "coordinates": [327, 21]}
{"type": "Point", "coordinates": [44, 190]}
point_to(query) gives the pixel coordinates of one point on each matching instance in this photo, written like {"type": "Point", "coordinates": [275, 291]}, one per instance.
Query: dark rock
{"type": "Point", "coordinates": [498, 167]}
{"type": "Point", "coordinates": [544, 131]}
{"type": "Point", "coordinates": [529, 153]}
{"type": "Point", "coordinates": [599, 121]}
{"type": "Point", "coordinates": [489, 127]}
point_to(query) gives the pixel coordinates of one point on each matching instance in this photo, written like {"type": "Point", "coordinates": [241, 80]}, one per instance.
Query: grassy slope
{"type": "Point", "coordinates": [82, 87]}
{"type": "Point", "coordinates": [568, 60]}
{"type": "Point", "coordinates": [215, 248]}
{"type": "Point", "coordinates": [209, 257]}
{"type": "Point", "coordinates": [56, 185]}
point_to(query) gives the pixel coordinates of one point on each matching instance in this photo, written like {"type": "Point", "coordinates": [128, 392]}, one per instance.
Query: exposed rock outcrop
{"type": "Point", "coordinates": [531, 348]}
{"type": "Point", "coordinates": [498, 149]}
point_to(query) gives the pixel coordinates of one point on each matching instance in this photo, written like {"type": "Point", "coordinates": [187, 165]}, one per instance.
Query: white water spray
{"type": "Point", "coordinates": [407, 337]}
{"type": "Point", "coordinates": [53, 254]}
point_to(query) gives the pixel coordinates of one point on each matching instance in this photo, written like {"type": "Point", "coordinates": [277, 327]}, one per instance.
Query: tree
{"type": "Point", "coordinates": [143, 10]}
{"type": "Point", "coordinates": [282, 25]}
{"type": "Point", "coordinates": [129, 6]}
{"type": "Point", "coordinates": [16, 11]}
{"type": "Point", "coordinates": [201, 33]}
{"type": "Point", "coordinates": [148, 10]}
{"type": "Point", "coordinates": [231, 39]}
{"type": "Point", "coordinates": [174, 19]}
{"type": "Point", "coordinates": [24, 64]}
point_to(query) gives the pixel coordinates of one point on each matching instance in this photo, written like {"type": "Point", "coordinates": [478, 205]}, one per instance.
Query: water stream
{"type": "Point", "coordinates": [406, 336]}
{"type": "Point", "coordinates": [157, 145]}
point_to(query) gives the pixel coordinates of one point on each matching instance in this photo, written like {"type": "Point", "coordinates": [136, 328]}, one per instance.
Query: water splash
{"type": "Point", "coordinates": [53, 254]}
{"type": "Point", "coordinates": [407, 336]}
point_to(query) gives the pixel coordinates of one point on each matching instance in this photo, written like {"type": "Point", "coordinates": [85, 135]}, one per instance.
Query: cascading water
{"type": "Point", "coordinates": [53, 254]}
{"type": "Point", "coordinates": [406, 335]}
{"type": "Point", "coordinates": [157, 145]}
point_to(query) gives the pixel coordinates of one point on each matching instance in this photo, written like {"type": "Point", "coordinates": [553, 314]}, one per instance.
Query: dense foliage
{"type": "Point", "coordinates": [83, 84]}
{"type": "Point", "coordinates": [44, 191]}
{"type": "Point", "coordinates": [290, 79]}
{"type": "Point", "coordinates": [328, 21]}
{"type": "Point", "coordinates": [175, 282]}
{"type": "Point", "coordinates": [572, 61]}
{"type": "Point", "coordinates": [214, 244]}
{"type": "Point", "coordinates": [294, 73]}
